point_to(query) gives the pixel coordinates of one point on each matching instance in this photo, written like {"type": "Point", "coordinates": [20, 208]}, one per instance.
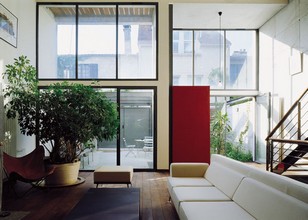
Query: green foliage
{"type": "Point", "coordinates": [220, 127]}
{"type": "Point", "coordinates": [22, 92]}
{"type": "Point", "coordinates": [237, 153]}
{"type": "Point", "coordinates": [64, 115]}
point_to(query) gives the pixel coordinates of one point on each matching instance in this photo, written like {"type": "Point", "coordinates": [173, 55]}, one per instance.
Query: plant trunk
{"type": "Point", "coordinates": [64, 151]}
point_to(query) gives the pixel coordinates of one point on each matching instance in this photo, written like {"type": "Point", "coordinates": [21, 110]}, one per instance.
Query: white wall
{"type": "Point", "coordinates": [19, 144]}
{"type": "Point", "coordinates": [282, 39]}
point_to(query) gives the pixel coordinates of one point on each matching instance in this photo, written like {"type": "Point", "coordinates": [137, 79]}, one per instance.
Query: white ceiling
{"type": "Point", "coordinates": [234, 16]}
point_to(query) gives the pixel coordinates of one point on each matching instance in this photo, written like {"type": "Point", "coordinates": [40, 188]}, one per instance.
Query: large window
{"type": "Point", "coordinates": [239, 114]}
{"type": "Point", "coordinates": [224, 60]}
{"type": "Point", "coordinates": [103, 41]}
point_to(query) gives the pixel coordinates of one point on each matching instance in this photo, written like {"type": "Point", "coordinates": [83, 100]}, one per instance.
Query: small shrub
{"type": "Point", "coordinates": [237, 153]}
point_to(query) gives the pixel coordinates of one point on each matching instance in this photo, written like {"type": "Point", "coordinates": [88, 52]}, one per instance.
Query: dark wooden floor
{"type": "Point", "coordinates": [56, 203]}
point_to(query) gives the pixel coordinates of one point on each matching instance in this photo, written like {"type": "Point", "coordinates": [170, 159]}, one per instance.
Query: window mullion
{"type": "Point", "coordinates": [118, 152]}
{"type": "Point", "coordinates": [225, 59]}
{"type": "Point", "coordinates": [117, 41]}
{"type": "Point", "coordinates": [76, 34]}
{"type": "Point", "coordinates": [193, 57]}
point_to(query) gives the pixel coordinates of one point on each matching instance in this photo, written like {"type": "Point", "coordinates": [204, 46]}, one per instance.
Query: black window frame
{"type": "Point", "coordinates": [117, 4]}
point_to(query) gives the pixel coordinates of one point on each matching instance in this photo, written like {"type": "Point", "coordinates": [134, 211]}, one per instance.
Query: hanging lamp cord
{"type": "Point", "coordinates": [220, 44]}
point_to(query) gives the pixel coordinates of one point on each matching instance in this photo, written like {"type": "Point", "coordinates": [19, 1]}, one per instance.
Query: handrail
{"type": "Point", "coordinates": [277, 153]}
{"type": "Point", "coordinates": [286, 116]}
{"type": "Point", "coordinates": [289, 141]}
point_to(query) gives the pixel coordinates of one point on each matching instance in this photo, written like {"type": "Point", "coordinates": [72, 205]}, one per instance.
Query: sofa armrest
{"type": "Point", "coordinates": [188, 169]}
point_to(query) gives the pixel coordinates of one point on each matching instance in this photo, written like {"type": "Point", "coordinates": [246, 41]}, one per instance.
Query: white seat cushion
{"type": "Point", "coordinates": [197, 194]}
{"type": "Point", "coordinates": [189, 181]}
{"type": "Point", "coordinates": [212, 211]}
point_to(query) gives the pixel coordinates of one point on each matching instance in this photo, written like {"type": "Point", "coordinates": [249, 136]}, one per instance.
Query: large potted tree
{"type": "Point", "coordinates": [63, 116]}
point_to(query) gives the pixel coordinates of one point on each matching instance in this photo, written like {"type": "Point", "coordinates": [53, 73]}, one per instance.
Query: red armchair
{"type": "Point", "coordinates": [29, 168]}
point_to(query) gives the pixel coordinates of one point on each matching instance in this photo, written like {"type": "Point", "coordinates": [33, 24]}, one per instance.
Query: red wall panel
{"type": "Point", "coordinates": [191, 124]}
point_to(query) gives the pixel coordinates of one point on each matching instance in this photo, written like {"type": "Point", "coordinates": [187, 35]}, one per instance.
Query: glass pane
{"type": "Point", "coordinates": [237, 142]}
{"type": "Point", "coordinates": [176, 41]}
{"type": "Point", "coordinates": [57, 42]}
{"type": "Point", "coordinates": [104, 152]}
{"type": "Point", "coordinates": [137, 42]}
{"type": "Point", "coordinates": [242, 137]}
{"type": "Point", "coordinates": [241, 60]}
{"type": "Point", "coordinates": [262, 125]}
{"type": "Point", "coordinates": [97, 42]}
{"type": "Point", "coordinates": [182, 58]}
{"type": "Point", "coordinates": [137, 134]}
{"type": "Point", "coordinates": [217, 104]}
{"type": "Point", "coordinates": [209, 59]}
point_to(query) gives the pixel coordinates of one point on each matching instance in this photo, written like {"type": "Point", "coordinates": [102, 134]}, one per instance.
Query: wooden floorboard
{"type": "Point", "coordinates": [56, 203]}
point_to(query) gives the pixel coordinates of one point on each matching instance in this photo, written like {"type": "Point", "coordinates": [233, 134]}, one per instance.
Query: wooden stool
{"type": "Point", "coordinates": [113, 175]}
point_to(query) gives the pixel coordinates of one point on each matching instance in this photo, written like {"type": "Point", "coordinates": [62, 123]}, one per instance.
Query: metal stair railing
{"type": "Point", "coordinates": [287, 143]}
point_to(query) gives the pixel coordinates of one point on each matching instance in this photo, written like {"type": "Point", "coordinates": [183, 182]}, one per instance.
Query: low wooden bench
{"type": "Point", "coordinates": [113, 175]}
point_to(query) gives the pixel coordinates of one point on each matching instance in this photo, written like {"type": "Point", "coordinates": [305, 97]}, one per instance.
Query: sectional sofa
{"type": "Point", "coordinates": [229, 189]}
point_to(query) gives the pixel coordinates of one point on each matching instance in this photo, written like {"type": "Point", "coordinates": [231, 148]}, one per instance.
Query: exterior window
{"type": "Point", "coordinates": [137, 42]}
{"type": "Point", "coordinates": [187, 42]}
{"type": "Point", "coordinates": [209, 60]}
{"type": "Point", "coordinates": [224, 60]}
{"type": "Point", "coordinates": [57, 42]}
{"type": "Point", "coordinates": [137, 134]}
{"type": "Point", "coordinates": [182, 58]}
{"type": "Point", "coordinates": [239, 115]}
{"type": "Point", "coordinates": [175, 42]}
{"type": "Point", "coordinates": [119, 39]}
{"type": "Point", "coordinates": [241, 63]}
{"type": "Point", "coordinates": [94, 45]}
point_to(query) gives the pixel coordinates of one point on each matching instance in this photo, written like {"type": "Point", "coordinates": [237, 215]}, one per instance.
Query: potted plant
{"type": "Point", "coordinates": [63, 116]}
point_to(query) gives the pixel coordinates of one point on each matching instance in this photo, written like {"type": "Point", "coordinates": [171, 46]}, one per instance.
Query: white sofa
{"type": "Point", "coordinates": [229, 189]}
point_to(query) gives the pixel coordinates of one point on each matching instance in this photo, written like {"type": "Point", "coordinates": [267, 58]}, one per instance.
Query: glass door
{"type": "Point", "coordinates": [136, 127]}
{"type": "Point", "coordinates": [135, 143]}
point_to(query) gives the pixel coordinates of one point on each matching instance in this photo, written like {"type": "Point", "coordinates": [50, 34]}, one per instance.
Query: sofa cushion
{"type": "Point", "coordinates": [225, 179]}
{"type": "Point", "coordinates": [265, 202]}
{"type": "Point", "coordinates": [178, 181]}
{"type": "Point", "coordinates": [212, 211]}
{"type": "Point", "coordinates": [284, 184]}
{"type": "Point", "coordinates": [232, 164]}
{"type": "Point", "coordinates": [197, 194]}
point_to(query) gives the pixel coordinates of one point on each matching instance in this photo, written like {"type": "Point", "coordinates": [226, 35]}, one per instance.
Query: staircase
{"type": "Point", "coordinates": [287, 143]}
